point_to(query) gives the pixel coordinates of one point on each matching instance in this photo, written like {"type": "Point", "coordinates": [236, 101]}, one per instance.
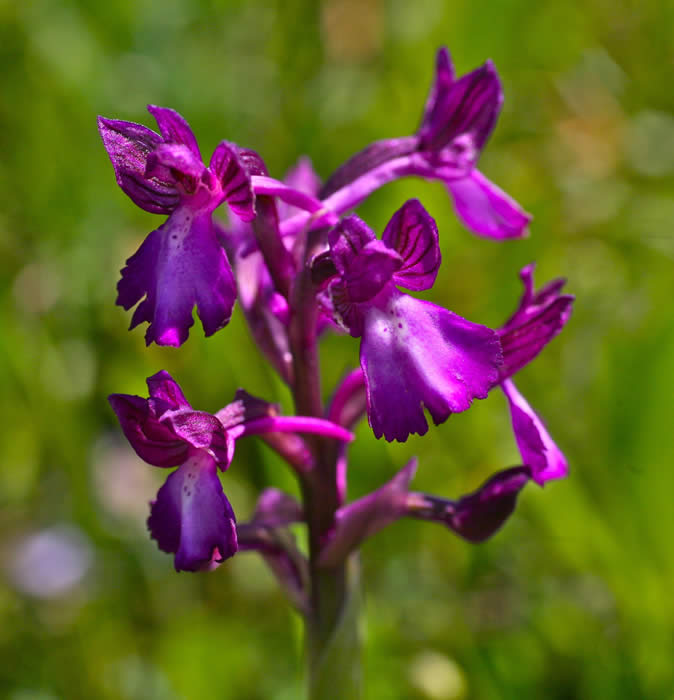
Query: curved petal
{"type": "Point", "coordinates": [128, 146]}
{"type": "Point", "coordinates": [177, 158]}
{"type": "Point", "coordinates": [466, 109]}
{"type": "Point", "coordinates": [444, 77]}
{"type": "Point", "coordinates": [234, 181]}
{"type": "Point", "coordinates": [486, 209]}
{"type": "Point", "coordinates": [192, 518]}
{"type": "Point", "coordinates": [203, 431]}
{"type": "Point", "coordinates": [174, 128]}
{"type": "Point", "coordinates": [177, 266]}
{"type": "Point", "coordinates": [415, 354]}
{"type": "Point", "coordinates": [347, 239]}
{"type": "Point", "coordinates": [479, 515]}
{"type": "Point", "coordinates": [413, 234]}
{"type": "Point", "coordinates": [153, 441]}
{"type": "Point", "coordinates": [537, 448]}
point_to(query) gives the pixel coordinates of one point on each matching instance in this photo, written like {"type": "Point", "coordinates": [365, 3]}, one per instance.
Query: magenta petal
{"type": "Point", "coordinates": [163, 386]}
{"type": "Point", "coordinates": [479, 515]}
{"type": "Point", "coordinates": [203, 431]}
{"type": "Point", "coordinates": [466, 109]}
{"type": "Point", "coordinates": [537, 448]}
{"type": "Point", "coordinates": [413, 234]}
{"type": "Point", "coordinates": [177, 266]}
{"type": "Point", "coordinates": [444, 77]}
{"type": "Point", "coordinates": [275, 508]}
{"type": "Point", "coordinates": [486, 210]}
{"type": "Point", "coordinates": [192, 518]}
{"type": "Point", "coordinates": [177, 158]}
{"type": "Point", "coordinates": [346, 241]}
{"type": "Point", "coordinates": [174, 128]}
{"type": "Point", "coordinates": [234, 181]}
{"type": "Point", "coordinates": [523, 343]}
{"type": "Point", "coordinates": [128, 146]}
{"type": "Point", "coordinates": [153, 441]}
{"type": "Point", "coordinates": [415, 354]}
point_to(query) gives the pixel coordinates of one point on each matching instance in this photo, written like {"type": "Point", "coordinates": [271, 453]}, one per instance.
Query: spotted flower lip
{"type": "Point", "coordinates": [191, 516]}
{"type": "Point", "coordinates": [413, 354]}
{"type": "Point", "coordinates": [181, 264]}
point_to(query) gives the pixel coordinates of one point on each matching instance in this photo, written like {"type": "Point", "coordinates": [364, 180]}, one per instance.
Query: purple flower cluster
{"type": "Point", "coordinates": [300, 264]}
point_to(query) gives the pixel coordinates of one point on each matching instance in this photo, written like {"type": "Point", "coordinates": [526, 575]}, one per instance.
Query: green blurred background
{"type": "Point", "coordinates": [573, 599]}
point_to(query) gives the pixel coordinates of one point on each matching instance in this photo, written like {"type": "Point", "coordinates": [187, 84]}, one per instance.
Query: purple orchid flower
{"type": "Point", "coordinates": [181, 264]}
{"type": "Point", "coordinates": [458, 119]}
{"type": "Point", "coordinates": [191, 516]}
{"type": "Point", "coordinates": [413, 354]}
{"type": "Point", "coordinates": [539, 317]}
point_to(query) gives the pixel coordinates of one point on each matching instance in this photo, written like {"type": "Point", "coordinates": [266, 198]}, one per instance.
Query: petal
{"type": "Point", "coordinates": [192, 517]}
{"type": "Point", "coordinates": [444, 77]}
{"type": "Point", "coordinates": [370, 271]}
{"type": "Point", "coordinates": [163, 386]}
{"type": "Point", "coordinates": [153, 441]}
{"type": "Point", "coordinates": [234, 181]}
{"type": "Point", "coordinates": [174, 128]}
{"type": "Point", "coordinates": [245, 407]}
{"type": "Point", "coordinates": [415, 354]}
{"type": "Point", "coordinates": [466, 109]}
{"type": "Point", "coordinates": [128, 146]}
{"type": "Point", "coordinates": [486, 210]}
{"type": "Point", "coordinates": [203, 431]}
{"type": "Point", "coordinates": [522, 343]}
{"type": "Point", "coordinates": [536, 446]}
{"type": "Point", "coordinates": [479, 515]}
{"type": "Point", "coordinates": [346, 241]}
{"type": "Point", "coordinates": [177, 266]}
{"type": "Point", "coordinates": [176, 158]}
{"type": "Point", "coordinates": [413, 234]}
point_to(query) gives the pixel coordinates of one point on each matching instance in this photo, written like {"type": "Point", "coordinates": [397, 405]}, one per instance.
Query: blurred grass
{"type": "Point", "coordinates": [573, 598]}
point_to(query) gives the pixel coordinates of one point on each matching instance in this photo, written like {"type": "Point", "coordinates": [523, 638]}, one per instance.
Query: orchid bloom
{"type": "Point", "coordinates": [181, 264]}
{"type": "Point", "coordinates": [413, 354]}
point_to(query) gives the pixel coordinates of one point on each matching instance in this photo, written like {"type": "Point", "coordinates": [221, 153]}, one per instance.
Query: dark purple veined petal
{"type": "Point", "coordinates": [174, 128]}
{"type": "Point", "coordinates": [234, 181]}
{"type": "Point", "coordinates": [128, 145]}
{"type": "Point", "coordinates": [467, 108]}
{"type": "Point", "coordinates": [153, 441]}
{"type": "Point", "coordinates": [532, 302]}
{"type": "Point", "coordinates": [479, 515]}
{"type": "Point", "coordinates": [537, 448]}
{"type": "Point", "coordinates": [346, 241]}
{"type": "Point", "coordinates": [177, 266]}
{"type": "Point", "coordinates": [444, 77]}
{"type": "Point", "coordinates": [413, 234]}
{"type": "Point", "coordinates": [486, 209]}
{"type": "Point", "coordinates": [521, 344]}
{"type": "Point", "coordinates": [192, 518]}
{"type": "Point", "coordinates": [415, 354]}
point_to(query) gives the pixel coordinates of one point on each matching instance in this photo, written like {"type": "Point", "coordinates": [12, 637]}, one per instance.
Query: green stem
{"type": "Point", "coordinates": [332, 640]}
